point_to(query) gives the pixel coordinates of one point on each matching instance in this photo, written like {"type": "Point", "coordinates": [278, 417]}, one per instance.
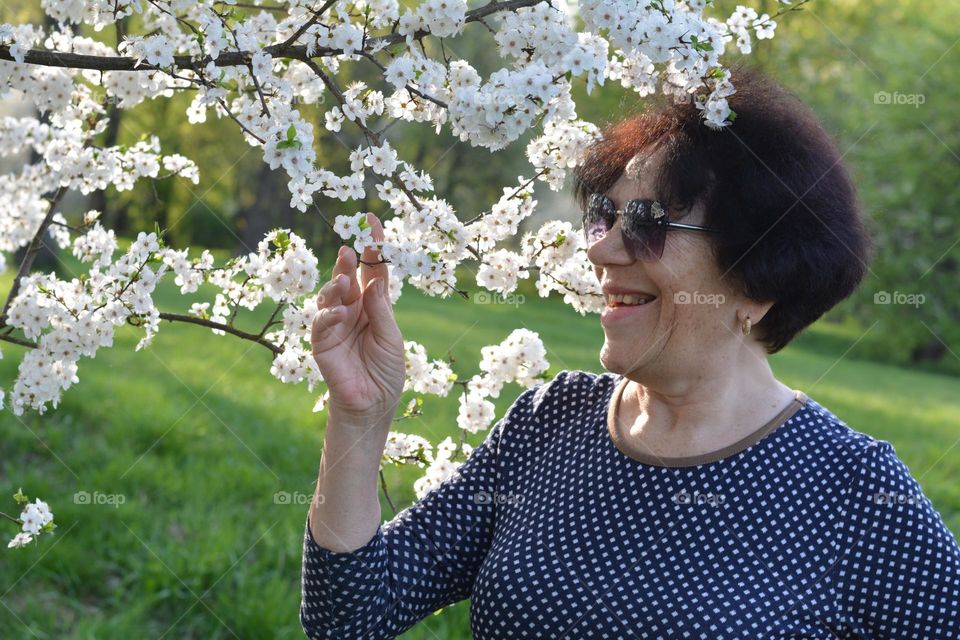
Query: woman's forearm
{"type": "Point", "coordinates": [345, 510]}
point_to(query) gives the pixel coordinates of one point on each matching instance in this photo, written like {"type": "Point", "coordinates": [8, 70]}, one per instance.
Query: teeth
{"type": "Point", "coordinates": [626, 299]}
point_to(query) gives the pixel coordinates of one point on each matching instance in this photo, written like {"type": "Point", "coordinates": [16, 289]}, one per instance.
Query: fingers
{"type": "Point", "coordinates": [380, 312]}
{"type": "Point", "coordinates": [370, 271]}
{"type": "Point", "coordinates": [346, 264]}
{"type": "Point", "coordinates": [332, 292]}
{"type": "Point", "coordinates": [325, 319]}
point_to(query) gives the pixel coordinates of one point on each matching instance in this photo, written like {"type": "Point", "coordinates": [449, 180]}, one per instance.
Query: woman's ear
{"type": "Point", "coordinates": [754, 310]}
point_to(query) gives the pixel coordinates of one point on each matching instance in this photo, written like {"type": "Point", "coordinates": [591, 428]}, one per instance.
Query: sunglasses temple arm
{"type": "Point", "coordinates": [694, 227]}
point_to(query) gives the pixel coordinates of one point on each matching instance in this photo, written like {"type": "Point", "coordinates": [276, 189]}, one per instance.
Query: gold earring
{"type": "Point", "coordinates": [745, 326]}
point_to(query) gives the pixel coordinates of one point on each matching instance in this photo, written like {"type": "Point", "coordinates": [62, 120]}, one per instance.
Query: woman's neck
{"type": "Point", "coordinates": [714, 406]}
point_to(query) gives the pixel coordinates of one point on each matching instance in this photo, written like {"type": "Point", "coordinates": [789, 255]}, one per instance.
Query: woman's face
{"type": "Point", "coordinates": [694, 314]}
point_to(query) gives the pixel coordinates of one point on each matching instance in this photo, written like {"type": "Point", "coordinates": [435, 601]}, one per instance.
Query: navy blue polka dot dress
{"type": "Point", "coordinates": [554, 529]}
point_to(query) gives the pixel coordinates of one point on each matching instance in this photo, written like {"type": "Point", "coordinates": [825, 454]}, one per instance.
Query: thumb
{"type": "Point", "coordinates": [378, 308]}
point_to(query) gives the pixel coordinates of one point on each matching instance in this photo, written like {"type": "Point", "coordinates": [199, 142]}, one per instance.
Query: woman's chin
{"type": "Point", "coordinates": [621, 359]}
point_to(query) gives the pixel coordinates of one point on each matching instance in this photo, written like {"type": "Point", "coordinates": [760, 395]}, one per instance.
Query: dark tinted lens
{"type": "Point", "coordinates": [643, 236]}
{"type": "Point", "coordinates": [598, 218]}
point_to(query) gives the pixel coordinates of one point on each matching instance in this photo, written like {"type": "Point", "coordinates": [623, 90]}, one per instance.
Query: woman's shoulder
{"type": "Point", "coordinates": [551, 404]}
{"type": "Point", "coordinates": [824, 429]}
{"type": "Point", "coordinates": [572, 390]}
{"type": "Point", "coordinates": [865, 459]}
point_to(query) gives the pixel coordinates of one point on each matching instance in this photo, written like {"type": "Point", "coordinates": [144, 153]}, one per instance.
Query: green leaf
{"type": "Point", "coordinates": [282, 241]}
{"type": "Point", "coordinates": [20, 498]}
{"type": "Point", "coordinates": [700, 45]}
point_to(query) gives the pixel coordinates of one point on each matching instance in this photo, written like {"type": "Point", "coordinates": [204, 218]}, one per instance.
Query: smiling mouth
{"type": "Point", "coordinates": [628, 300]}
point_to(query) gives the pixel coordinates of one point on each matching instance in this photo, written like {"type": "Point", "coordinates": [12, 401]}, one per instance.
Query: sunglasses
{"type": "Point", "coordinates": [643, 225]}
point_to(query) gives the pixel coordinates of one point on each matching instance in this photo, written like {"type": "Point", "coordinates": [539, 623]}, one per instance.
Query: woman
{"type": "Point", "coordinates": [685, 492]}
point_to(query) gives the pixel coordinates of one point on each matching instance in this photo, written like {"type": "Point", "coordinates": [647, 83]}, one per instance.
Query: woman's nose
{"type": "Point", "coordinates": [610, 248]}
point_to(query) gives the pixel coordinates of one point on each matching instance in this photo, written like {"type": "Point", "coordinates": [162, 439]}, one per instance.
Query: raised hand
{"type": "Point", "coordinates": [355, 338]}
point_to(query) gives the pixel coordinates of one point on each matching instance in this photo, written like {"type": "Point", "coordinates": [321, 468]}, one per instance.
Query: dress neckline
{"type": "Point", "coordinates": [647, 457]}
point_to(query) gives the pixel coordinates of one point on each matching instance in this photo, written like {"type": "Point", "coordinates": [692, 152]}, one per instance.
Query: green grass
{"type": "Point", "coordinates": [198, 437]}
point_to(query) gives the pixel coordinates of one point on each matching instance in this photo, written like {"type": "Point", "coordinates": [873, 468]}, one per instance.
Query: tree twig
{"type": "Point", "coordinates": [383, 486]}
{"type": "Point", "coordinates": [31, 252]}
{"type": "Point", "coordinates": [309, 23]}
{"type": "Point", "coordinates": [48, 58]}
{"type": "Point", "coordinates": [176, 317]}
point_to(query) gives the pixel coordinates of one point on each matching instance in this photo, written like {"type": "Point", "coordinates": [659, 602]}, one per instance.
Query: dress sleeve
{"type": "Point", "coordinates": [423, 559]}
{"type": "Point", "coordinates": [899, 577]}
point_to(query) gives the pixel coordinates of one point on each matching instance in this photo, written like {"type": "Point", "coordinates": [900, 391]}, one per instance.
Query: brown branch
{"type": "Point", "coordinates": [309, 23]}
{"type": "Point", "coordinates": [31, 253]}
{"type": "Point", "coordinates": [6, 337]}
{"type": "Point", "coordinates": [512, 195]}
{"type": "Point", "coordinates": [242, 126]}
{"type": "Point", "coordinates": [383, 485]}
{"type": "Point", "coordinates": [176, 317]}
{"type": "Point", "coordinates": [440, 103]}
{"type": "Point", "coordinates": [270, 321]}
{"type": "Point", "coordinates": [47, 58]}
{"type": "Point", "coordinates": [263, 7]}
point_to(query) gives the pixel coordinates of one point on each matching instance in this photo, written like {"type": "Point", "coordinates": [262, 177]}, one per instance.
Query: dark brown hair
{"type": "Point", "coordinates": [773, 182]}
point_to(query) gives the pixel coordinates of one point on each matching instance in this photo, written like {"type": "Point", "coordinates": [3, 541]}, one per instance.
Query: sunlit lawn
{"type": "Point", "coordinates": [197, 438]}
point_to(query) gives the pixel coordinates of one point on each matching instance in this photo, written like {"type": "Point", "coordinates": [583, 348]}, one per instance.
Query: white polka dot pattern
{"type": "Point", "coordinates": [816, 531]}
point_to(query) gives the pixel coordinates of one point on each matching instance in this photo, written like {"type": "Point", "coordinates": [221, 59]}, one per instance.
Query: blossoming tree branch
{"type": "Point", "coordinates": [263, 66]}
